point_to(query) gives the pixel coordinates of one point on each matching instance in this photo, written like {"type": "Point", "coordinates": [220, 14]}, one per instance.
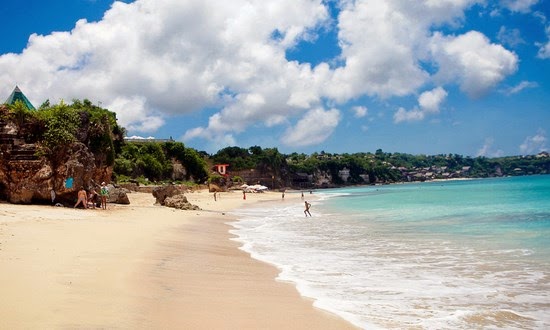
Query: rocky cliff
{"type": "Point", "coordinates": [29, 173]}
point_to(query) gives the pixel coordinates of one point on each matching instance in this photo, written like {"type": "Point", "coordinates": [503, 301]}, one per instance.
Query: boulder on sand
{"type": "Point", "coordinates": [180, 202]}
{"type": "Point", "coordinates": [161, 193]}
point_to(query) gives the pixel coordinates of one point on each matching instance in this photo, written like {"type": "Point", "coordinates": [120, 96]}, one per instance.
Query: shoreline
{"type": "Point", "coordinates": [143, 266]}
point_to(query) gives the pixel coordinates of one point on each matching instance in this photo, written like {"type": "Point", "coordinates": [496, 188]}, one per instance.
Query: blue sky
{"type": "Point", "coordinates": [422, 77]}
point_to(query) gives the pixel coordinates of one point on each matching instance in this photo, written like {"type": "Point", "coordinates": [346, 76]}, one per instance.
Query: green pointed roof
{"type": "Point", "coordinates": [17, 95]}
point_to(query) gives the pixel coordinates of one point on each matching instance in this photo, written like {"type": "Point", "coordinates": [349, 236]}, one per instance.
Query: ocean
{"type": "Point", "coordinates": [437, 255]}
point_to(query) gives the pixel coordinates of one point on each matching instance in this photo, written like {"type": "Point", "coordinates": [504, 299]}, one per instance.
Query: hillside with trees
{"type": "Point", "coordinates": [146, 162]}
{"type": "Point", "coordinates": [42, 148]}
{"type": "Point", "coordinates": [329, 170]}
{"type": "Point", "coordinates": [381, 167]}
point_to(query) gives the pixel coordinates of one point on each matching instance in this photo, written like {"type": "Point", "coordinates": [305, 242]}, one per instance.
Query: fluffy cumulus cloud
{"type": "Point", "coordinates": [534, 144]}
{"type": "Point", "coordinates": [132, 113]}
{"type": "Point", "coordinates": [477, 64]}
{"type": "Point", "coordinates": [429, 102]}
{"type": "Point", "coordinates": [152, 59]}
{"type": "Point", "coordinates": [313, 128]}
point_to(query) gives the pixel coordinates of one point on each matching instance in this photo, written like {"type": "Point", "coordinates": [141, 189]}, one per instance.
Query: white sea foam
{"type": "Point", "coordinates": [387, 275]}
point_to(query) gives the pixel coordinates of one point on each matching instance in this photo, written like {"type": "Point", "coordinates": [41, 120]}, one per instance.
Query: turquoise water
{"type": "Point", "coordinates": [438, 255]}
{"type": "Point", "coordinates": [507, 212]}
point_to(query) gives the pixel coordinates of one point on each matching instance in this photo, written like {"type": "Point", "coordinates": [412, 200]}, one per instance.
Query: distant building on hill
{"type": "Point", "coordinates": [17, 95]}
{"type": "Point", "coordinates": [136, 139]}
{"type": "Point", "coordinates": [221, 168]}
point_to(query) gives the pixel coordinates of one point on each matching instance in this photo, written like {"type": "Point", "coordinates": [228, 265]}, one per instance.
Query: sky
{"type": "Point", "coordinates": [468, 77]}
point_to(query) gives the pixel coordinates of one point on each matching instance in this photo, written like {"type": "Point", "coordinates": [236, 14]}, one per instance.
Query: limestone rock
{"type": "Point", "coordinates": [29, 172]}
{"type": "Point", "coordinates": [180, 202]}
{"type": "Point", "coordinates": [30, 179]}
{"type": "Point", "coordinates": [118, 195]}
{"type": "Point", "coordinates": [161, 193]}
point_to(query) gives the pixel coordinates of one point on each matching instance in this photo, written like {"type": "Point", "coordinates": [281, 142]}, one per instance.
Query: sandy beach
{"type": "Point", "coordinates": [142, 266]}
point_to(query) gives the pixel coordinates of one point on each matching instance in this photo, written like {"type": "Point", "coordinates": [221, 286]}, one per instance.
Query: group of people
{"type": "Point", "coordinates": [90, 199]}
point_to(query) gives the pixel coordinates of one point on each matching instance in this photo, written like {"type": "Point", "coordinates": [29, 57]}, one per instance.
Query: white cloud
{"type": "Point", "coordinates": [132, 114]}
{"type": "Point", "coordinates": [430, 101]}
{"type": "Point", "coordinates": [151, 59]}
{"type": "Point", "coordinates": [359, 111]}
{"type": "Point", "coordinates": [511, 38]}
{"type": "Point", "coordinates": [412, 115]}
{"type": "Point", "coordinates": [216, 141]}
{"type": "Point", "coordinates": [377, 40]}
{"type": "Point", "coordinates": [314, 127]}
{"type": "Point", "coordinates": [534, 144]}
{"type": "Point", "coordinates": [138, 137]}
{"type": "Point", "coordinates": [521, 6]}
{"type": "Point", "coordinates": [544, 48]}
{"type": "Point", "coordinates": [477, 64]}
{"type": "Point", "coordinates": [487, 149]}
{"type": "Point", "coordinates": [521, 86]}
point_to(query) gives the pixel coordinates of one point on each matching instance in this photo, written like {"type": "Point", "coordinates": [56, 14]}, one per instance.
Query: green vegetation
{"type": "Point", "coordinates": [60, 124]}
{"type": "Point", "coordinates": [395, 167]}
{"type": "Point", "coordinates": [269, 159]}
{"type": "Point", "coordinates": [53, 128]}
{"type": "Point", "coordinates": [155, 161]}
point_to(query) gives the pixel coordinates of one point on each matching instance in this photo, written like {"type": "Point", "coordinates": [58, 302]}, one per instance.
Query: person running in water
{"type": "Point", "coordinates": [306, 211]}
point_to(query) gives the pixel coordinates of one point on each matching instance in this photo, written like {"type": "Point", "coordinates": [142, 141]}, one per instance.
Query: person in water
{"type": "Point", "coordinates": [306, 211]}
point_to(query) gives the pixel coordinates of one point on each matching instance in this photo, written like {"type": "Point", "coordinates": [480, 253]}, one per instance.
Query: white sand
{"type": "Point", "coordinates": [142, 266]}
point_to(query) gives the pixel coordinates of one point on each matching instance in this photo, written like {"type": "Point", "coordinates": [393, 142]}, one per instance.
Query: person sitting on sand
{"type": "Point", "coordinates": [306, 211]}
{"type": "Point", "coordinates": [82, 198]}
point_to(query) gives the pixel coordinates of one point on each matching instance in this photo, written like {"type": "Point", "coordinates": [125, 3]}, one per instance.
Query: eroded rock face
{"type": "Point", "coordinates": [26, 181]}
{"type": "Point", "coordinates": [180, 202]}
{"type": "Point", "coordinates": [29, 172]}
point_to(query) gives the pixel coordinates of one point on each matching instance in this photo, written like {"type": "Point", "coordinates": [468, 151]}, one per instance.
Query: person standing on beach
{"type": "Point", "coordinates": [52, 195]}
{"type": "Point", "coordinates": [103, 193]}
{"type": "Point", "coordinates": [244, 194]}
{"type": "Point", "coordinates": [92, 198]}
{"type": "Point", "coordinates": [306, 211]}
{"type": "Point", "coordinates": [82, 198]}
